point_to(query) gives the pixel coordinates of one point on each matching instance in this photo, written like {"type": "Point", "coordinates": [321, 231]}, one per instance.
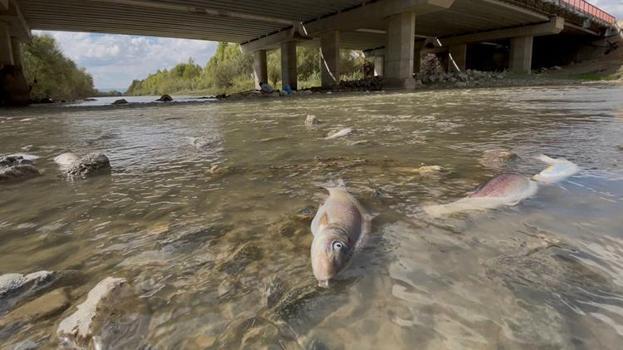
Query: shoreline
{"type": "Point", "coordinates": [506, 82]}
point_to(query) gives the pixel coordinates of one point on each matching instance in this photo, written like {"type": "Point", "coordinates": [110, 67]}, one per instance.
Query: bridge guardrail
{"type": "Point", "coordinates": [589, 9]}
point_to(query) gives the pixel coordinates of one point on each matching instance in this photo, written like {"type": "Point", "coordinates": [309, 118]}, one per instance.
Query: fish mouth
{"type": "Point", "coordinates": [323, 283]}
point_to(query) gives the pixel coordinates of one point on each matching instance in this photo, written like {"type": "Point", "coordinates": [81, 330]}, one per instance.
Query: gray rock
{"type": "Point", "coordinates": [121, 101]}
{"type": "Point", "coordinates": [15, 168]}
{"type": "Point", "coordinates": [165, 98]}
{"type": "Point", "coordinates": [79, 328]}
{"type": "Point", "coordinates": [90, 165]}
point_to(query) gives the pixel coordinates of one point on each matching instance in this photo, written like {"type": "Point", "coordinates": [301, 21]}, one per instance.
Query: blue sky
{"type": "Point", "coordinates": [116, 60]}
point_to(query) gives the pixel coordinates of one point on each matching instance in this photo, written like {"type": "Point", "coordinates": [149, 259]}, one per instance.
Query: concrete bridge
{"type": "Point", "coordinates": [394, 32]}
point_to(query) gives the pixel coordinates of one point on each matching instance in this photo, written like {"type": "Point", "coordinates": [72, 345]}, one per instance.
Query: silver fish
{"type": "Point", "coordinates": [341, 133]}
{"type": "Point", "coordinates": [502, 190]}
{"type": "Point", "coordinates": [340, 228]}
{"type": "Point", "coordinates": [558, 170]}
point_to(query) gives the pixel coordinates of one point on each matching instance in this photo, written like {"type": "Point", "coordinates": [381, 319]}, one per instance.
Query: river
{"type": "Point", "coordinates": [214, 240]}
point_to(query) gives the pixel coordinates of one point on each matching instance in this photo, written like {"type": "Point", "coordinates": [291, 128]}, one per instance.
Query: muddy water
{"type": "Point", "coordinates": [214, 239]}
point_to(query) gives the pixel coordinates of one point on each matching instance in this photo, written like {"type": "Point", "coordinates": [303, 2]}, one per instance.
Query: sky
{"type": "Point", "coordinates": [115, 60]}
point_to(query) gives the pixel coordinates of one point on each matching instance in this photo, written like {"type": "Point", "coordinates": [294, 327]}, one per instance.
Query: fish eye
{"type": "Point", "coordinates": [337, 245]}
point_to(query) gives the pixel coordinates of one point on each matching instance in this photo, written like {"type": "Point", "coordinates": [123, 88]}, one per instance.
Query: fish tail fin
{"type": "Point", "coordinates": [438, 210]}
{"type": "Point", "coordinates": [546, 159]}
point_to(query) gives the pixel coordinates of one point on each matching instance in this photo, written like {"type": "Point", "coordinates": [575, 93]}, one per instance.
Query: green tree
{"type": "Point", "coordinates": [53, 75]}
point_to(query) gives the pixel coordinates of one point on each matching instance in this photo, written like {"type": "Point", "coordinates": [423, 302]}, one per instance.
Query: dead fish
{"type": "Point", "coordinates": [311, 121]}
{"type": "Point", "coordinates": [340, 228]}
{"type": "Point", "coordinates": [558, 170]}
{"type": "Point", "coordinates": [341, 133]}
{"type": "Point", "coordinates": [502, 190]}
{"type": "Point", "coordinates": [65, 160]}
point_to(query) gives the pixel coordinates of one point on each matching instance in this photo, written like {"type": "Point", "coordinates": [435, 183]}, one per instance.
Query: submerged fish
{"type": "Point", "coordinates": [65, 160]}
{"type": "Point", "coordinates": [339, 228]}
{"type": "Point", "coordinates": [502, 190]}
{"type": "Point", "coordinates": [558, 170]}
{"type": "Point", "coordinates": [340, 133]}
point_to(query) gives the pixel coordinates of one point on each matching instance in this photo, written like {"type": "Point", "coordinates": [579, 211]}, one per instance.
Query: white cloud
{"type": "Point", "coordinates": [116, 60]}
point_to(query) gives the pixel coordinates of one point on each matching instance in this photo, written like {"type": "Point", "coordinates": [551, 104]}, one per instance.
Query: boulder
{"type": "Point", "coordinates": [79, 328]}
{"type": "Point", "coordinates": [90, 165]}
{"type": "Point", "coordinates": [121, 101]}
{"type": "Point", "coordinates": [16, 168]}
{"type": "Point", "coordinates": [165, 98]}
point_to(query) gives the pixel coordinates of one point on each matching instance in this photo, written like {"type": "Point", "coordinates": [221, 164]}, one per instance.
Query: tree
{"type": "Point", "coordinates": [53, 75]}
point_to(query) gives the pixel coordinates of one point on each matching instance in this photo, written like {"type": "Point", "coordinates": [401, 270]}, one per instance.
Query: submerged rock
{"type": "Point", "coordinates": [47, 305]}
{"type": "Point", "coordinates": [165, 98]}
{"type": "Point", "coordinates": [90, 165]}
{"type": "Point", "coordinates": [15, 287]}
{"type": "Point", "coordinates": [121, 101]}
{"type": "Point", "coordinates": [79, 328]}
{"type": "Point", "coordinates": [497, 158]}
{"type": "Point", "coordinates": [16, 168]}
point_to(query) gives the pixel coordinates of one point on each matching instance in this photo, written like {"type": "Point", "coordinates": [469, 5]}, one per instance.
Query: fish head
{"type": "Point", "coordinates": [330, 252]}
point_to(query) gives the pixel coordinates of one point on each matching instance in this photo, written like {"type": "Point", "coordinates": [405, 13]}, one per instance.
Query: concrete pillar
{"type": "Point", "coordinates": [288, 64]}
{"type": "Point", "coordinates": [260, 68]}
{"type": "Point", "coordinates": [16, 47]}
{"type": "Point", "coordinates": [6, 50]}
{"type": "Point", "coordinates": [458, 57]}
{"type": "Point", "coordinates": [330, 59]}
{"type": "Point", "coordinates": [521, 54]}
{"type": "Point", "coordinates": [378, 66]}
{"type": "Point", "coordinates": [399, 50]}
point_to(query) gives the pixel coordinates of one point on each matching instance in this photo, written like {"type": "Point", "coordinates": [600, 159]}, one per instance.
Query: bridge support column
{"type": "Point", "coordinates": [6, 49]}
{"type": "Point", "coordinates": [288, 64]}
{"type": "Point", "coordinates": [521, 54]}
{"type": "Point", "coordinates": [399, 50]}
{"type": "Point", "coordinates": [16, 47]}
{"type": "Point", "coordinates": [260, 68]}
{"type": "Point", "coordinates": [378, 66]}
{"type": "Point", "coordinates": [330, 59]}
{"type": "Point", "coordinates": [458, 57]}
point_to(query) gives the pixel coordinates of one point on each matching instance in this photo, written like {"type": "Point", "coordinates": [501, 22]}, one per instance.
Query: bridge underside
{"type": "Point", "coordinates": [395, 31]}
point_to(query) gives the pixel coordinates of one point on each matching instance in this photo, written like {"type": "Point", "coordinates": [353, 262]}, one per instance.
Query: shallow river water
{"type": "Point", "coordinates": [213, 236]}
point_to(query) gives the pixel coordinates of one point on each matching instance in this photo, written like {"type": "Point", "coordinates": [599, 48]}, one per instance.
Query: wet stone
{"type": "Point", "coordinates": [47, 305]}
{"type": "Point", "coordinates": [79, 328]}
{"type": "Point", "coordinates": [16, 168]}
{"type": "Point", "coordinates": [121, 101]}
{"type": "Point", "coordinates": [90, 165]}
{"type": "Point", "coordinates": [15, 287]}
{"type": "Point", "coordinates": [497, 158]}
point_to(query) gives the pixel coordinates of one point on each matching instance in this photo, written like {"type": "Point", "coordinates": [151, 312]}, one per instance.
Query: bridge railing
{"type": "Point", "coordinates": [589, 9]}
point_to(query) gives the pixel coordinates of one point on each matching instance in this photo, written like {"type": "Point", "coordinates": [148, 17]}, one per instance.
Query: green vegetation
{"type": "Point", "coordinates": [230, 70]}
{"type": "Point", "coordinates": [53, 75]}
